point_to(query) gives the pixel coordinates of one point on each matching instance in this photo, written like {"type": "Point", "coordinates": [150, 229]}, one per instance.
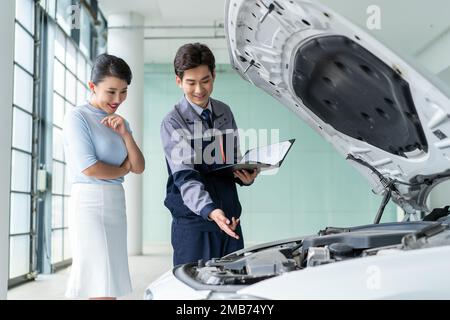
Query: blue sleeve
{"type": "Point", "coordinates": [127, 126]}
{"type": "Point", "coordinates": [180, 158]}
{"type": "Point", "coordinates": [77, 137]}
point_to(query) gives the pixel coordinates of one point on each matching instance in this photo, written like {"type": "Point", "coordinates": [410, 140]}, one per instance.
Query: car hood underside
{"type": "Point", "coordinates": [390, 120]}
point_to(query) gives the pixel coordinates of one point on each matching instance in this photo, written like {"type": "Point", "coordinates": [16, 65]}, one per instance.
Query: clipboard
{"type": "Point", "coordinates": [262, 158]}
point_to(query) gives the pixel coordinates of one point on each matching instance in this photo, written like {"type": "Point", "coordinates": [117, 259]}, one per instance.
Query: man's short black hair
{"type": "Point", "coordinates": [192, 55]}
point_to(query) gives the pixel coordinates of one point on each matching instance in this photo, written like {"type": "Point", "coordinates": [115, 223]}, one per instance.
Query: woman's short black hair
{"type": "Point", "coordinates": [106, 65]}
{"type": "Point", "coordinates": [192, 55]}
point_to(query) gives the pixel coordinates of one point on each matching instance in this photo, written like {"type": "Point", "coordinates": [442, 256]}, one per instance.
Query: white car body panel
{"type": "Point", "coordinates": [167, 287]}
{"type": "Point", "coordinates": [395, 275]}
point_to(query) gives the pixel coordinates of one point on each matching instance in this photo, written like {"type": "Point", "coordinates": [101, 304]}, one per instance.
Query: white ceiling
{"type": "Point", "coordinates": [171, 11]}
{"type": "Point", "coordinates": [175, 13]}
{"type": "Point", "coordinates": [408, 26]}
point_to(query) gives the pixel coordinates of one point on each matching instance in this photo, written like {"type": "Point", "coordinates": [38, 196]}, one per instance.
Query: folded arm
{"type": "Point", "coordinates": [101, 170]}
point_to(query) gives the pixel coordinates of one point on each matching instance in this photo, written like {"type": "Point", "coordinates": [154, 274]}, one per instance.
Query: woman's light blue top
{"type": "Point", "coordinates": [87, 140]}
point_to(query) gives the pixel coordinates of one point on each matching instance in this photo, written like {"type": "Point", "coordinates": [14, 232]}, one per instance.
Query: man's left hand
{"type": "Point", "coordinates": [245, 176]}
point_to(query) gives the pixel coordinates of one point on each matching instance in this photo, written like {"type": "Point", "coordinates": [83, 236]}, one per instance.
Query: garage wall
{"type": "Point", "coordinates": [314, 188]}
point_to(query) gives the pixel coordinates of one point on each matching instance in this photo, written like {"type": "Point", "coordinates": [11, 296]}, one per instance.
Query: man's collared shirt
{"type": "Point", "coordinates": [199, 109]}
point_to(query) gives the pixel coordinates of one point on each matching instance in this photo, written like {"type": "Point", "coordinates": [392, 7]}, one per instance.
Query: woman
{"type": "Point", "coordinates": [100, 151]}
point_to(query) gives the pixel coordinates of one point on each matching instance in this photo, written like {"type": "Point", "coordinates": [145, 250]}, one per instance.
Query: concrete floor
{"type": "Point", "coordinates": [156, 260]}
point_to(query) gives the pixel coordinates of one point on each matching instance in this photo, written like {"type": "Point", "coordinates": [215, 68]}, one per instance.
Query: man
{"type": "Point", "coordinates": [205, 206]}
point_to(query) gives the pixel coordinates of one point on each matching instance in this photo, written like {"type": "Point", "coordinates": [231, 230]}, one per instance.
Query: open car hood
{"type": "Point", "coordinates": [389, 120]}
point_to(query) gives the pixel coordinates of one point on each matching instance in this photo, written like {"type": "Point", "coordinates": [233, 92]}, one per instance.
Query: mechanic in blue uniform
{"type": "Point", "coordinates": [204, 205]}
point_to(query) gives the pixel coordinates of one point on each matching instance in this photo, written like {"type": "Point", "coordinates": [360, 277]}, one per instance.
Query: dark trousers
{"type": "Point", "coordinates": [190, 245]}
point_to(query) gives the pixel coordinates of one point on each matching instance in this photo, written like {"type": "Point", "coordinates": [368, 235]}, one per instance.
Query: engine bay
{"type": "Point", "coordinates": [330, 245]}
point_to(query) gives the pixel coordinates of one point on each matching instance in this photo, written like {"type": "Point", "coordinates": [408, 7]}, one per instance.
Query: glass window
{"type": "Point", "coordinates": [71, 69]}
{"type": "Point", "coordinates": [67, 251]}
{"type": "Point", "coordinates": [24, 49]}
{"type": "Point", "coordinates": [58, 178]}
{"type": "Point", "coordinates": [23, 89]}
{"type": "Point", "coordinates": [81, 69]}
{"type": "Point", "coordinates": [20, 171]}
{"type": "Point", "coordinates": [58, 110]}
{"type": "Point", "coordinates": [68, 106]}
{"type": "Point", "coordinates": [71, 56]}
{"type": "Point", "coordinates": [81, 93]}
{"type": "Point", "coordinates": [63, 14]}
{"type": "Point", "coordinates": [66, 212]}
{"type": "Point", "coordinates": [19, 247]}
{"type": "Point", "coordinates": [49, 6]}
{"type": "Point", "coordinates": [57, 246]}
{"type": "Point", "coordinates": [57, 211]}
{"type": "Point", "coordinates": [22, 137]}
{"type": "Point", "coordinates": [60, 45]}
{"type": "Point", "coordinates": [20, 213]}
{"type": "Point", "coordinates": [59, 76]}
{"type": "Point", "coordinates": [85, 33]}
{"type": "Point", "coordinates": [101, 43]}
{"type": "Point", "coordinates": [25, 14]}
{"type": "Point", "coordinates": [88, 72]}
{"type": "Point", "coordinates": [58, 147]}
{"type": "Point", "coordinates": [22, 130]}
{"type": "Point", "coordinates": [67, 183]}
{"type": "Point", "coordinates": [71, 87]}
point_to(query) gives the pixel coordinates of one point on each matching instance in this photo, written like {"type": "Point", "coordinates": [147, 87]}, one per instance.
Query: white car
{"type": "Point", "coordinates": [391, 122]}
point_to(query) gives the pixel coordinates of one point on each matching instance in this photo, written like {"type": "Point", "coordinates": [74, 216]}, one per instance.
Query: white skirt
{"type": "Point", "coordinates": [98, 239]}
